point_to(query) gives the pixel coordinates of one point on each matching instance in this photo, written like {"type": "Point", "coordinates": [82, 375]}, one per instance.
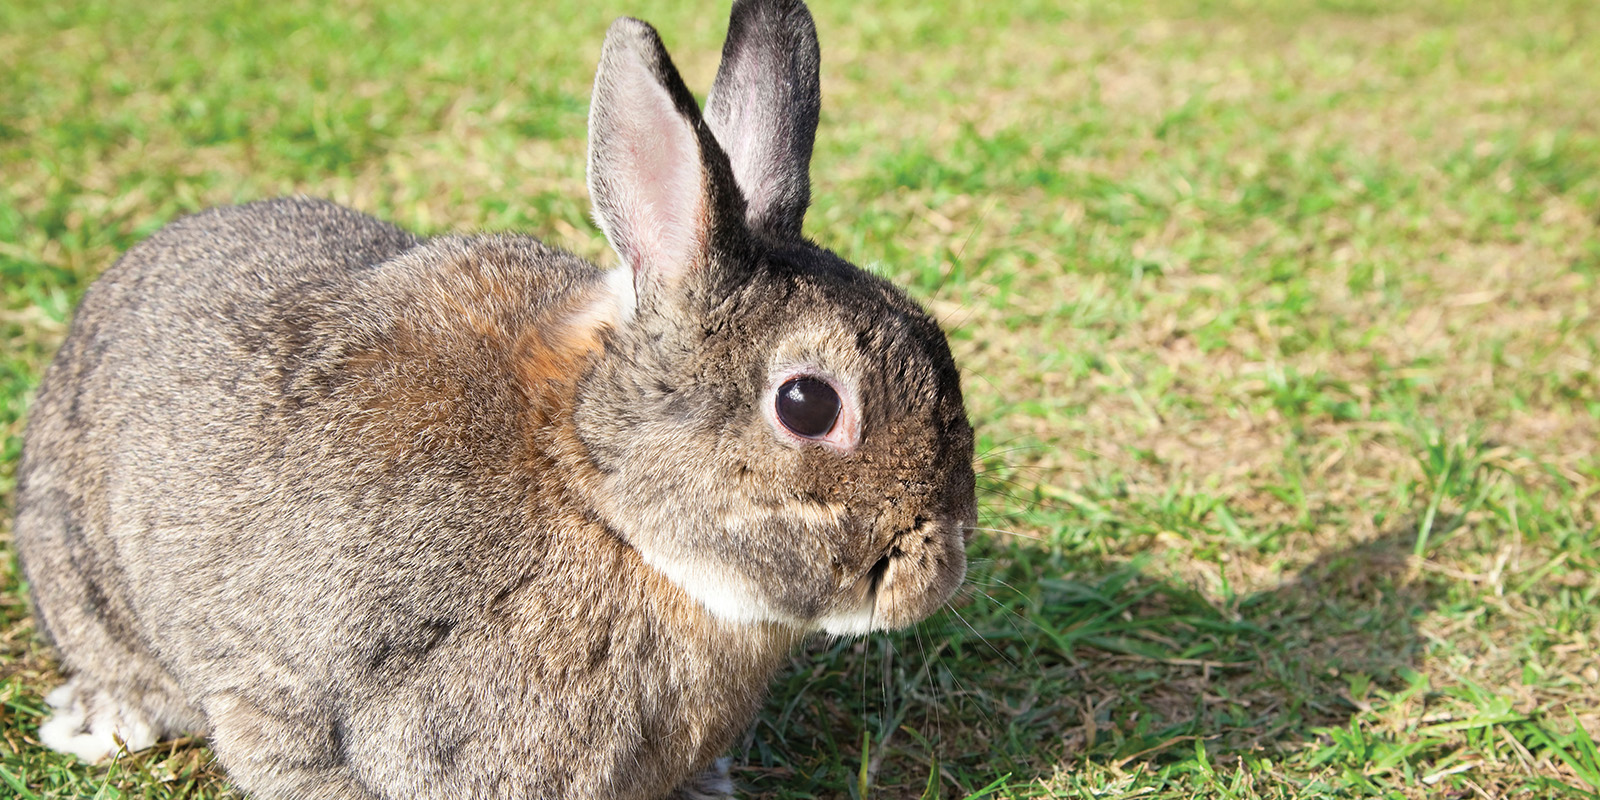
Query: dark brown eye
{"type": "Point", "coordinates": [808, 407]}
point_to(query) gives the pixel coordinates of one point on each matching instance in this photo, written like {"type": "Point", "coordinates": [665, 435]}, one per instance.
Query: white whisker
{"type": "Point", "coordinates": [1017, 534]}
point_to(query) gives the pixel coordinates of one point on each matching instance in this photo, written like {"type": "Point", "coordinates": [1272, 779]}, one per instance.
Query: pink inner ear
{"type": "Point", "coordinates": [659, 181]}
{"type": "Point", "coordinates": [748, 150]}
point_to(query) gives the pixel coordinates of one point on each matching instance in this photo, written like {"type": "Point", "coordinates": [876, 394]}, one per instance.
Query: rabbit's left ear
{"type": "Point", "coordinates": [661, 187]}
{"type": "Point", "coordinates": [763, 110]}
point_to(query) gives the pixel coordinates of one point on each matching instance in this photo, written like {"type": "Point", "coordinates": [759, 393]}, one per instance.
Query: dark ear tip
{"type": "Point", "coordinates": [634, 41]}
{"type": "Point", "coordinates": [629, 33]}
{"type": "Point", "coordinates": [784, 7]}
{"type": "Point", "coordinates": [791, 14]}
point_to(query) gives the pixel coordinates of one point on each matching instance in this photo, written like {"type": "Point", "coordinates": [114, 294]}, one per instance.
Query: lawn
{"type": "Point", "coordinates": [1279, 319]}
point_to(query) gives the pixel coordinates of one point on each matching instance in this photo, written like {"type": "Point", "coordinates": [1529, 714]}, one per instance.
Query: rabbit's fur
{"type": "Point", "coordinates": [467, 517]}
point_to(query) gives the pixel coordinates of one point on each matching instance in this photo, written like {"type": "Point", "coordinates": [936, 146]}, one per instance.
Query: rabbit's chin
{"type": "Point", "coordinates": [852, 622]}
{"type": "Point", "coordinates": [890, 595]}
{"type": "Point", "coordinates": [723, 593]}
{"type": "Point", "coordinates": [731, 599]}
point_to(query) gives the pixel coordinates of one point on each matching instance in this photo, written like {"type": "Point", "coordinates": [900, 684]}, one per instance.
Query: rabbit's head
{"type": "Point", "coordinates": [778, 432]}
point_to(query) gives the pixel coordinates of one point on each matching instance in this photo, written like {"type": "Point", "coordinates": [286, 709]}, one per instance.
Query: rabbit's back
{"type": "Point", "coordinates": [286, 439]}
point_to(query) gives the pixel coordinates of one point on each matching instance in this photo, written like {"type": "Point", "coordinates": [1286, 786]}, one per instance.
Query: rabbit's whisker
{"type": "Point", "coordinates": [1017, 534]}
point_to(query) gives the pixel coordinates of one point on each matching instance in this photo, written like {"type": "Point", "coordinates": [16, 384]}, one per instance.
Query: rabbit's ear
{"type": "Point", "coordinates": [659, 184]}
{"type": "Point", "coordinates": [763, 109]}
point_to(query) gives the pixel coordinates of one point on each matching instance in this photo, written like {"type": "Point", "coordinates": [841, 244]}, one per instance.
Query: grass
{"type": "Point", "coordinates": [1278, 319]}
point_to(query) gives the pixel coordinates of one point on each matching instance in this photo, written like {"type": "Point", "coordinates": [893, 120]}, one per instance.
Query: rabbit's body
{"type": "Point", "coordinates": [441, 372]}
{"type": "Point", "coordinates": [469, 517]}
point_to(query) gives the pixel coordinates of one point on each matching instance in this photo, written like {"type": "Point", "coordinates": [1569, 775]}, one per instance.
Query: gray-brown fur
{"type": "Point", "coordinates": [382, 516]}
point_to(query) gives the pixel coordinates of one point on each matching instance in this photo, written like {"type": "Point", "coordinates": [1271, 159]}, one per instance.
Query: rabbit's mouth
{"type": "Point", "coordinates": [856, 614]}
{"type": "Point", "coordinates": [879, 570]}
{"type": "Point", "coordinates": [907, 583]}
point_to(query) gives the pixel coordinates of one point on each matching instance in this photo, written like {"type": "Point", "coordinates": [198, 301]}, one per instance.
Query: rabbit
{"type": "Point", "coordinates": [392, 517]}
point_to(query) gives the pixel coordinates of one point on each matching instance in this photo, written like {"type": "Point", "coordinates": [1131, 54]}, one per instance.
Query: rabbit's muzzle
{"type": "Point", "coordinates": [912, 577]}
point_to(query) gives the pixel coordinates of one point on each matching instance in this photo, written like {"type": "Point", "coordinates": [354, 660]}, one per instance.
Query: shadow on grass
{"type": "Point", "coordinates": [1057, 666]}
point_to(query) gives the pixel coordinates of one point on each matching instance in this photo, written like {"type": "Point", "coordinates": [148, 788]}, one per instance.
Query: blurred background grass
{"type": "Point", "coordinates": [1278, 319]}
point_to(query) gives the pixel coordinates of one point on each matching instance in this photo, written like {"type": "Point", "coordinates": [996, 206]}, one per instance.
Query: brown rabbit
{"type": "Point", "coordinates": [467, 517]}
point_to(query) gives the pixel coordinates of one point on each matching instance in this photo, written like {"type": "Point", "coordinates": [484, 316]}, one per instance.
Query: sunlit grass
{"type": "Point", "coordinates": [1278, 319]}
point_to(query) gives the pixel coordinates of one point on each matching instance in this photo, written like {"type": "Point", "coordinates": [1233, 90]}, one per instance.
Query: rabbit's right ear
{"type": "Point", "coordinates": [657, 179]}
{"type": "Point", "coordinates": [763, 109]}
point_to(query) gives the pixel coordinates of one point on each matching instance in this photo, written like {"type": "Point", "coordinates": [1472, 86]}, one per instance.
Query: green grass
{"type": "Point", "coordinates": [1279, 320]}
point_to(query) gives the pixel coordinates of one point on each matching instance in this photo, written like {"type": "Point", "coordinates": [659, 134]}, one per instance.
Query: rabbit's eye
{"type": "Point", "coordinates": [808, 407]}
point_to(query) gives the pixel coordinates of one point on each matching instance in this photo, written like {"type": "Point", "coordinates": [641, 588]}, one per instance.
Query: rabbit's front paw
{"type": "Point", "coordinates": [711, 784]}
{"type": "Point", "coordinates": [91, 724]}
